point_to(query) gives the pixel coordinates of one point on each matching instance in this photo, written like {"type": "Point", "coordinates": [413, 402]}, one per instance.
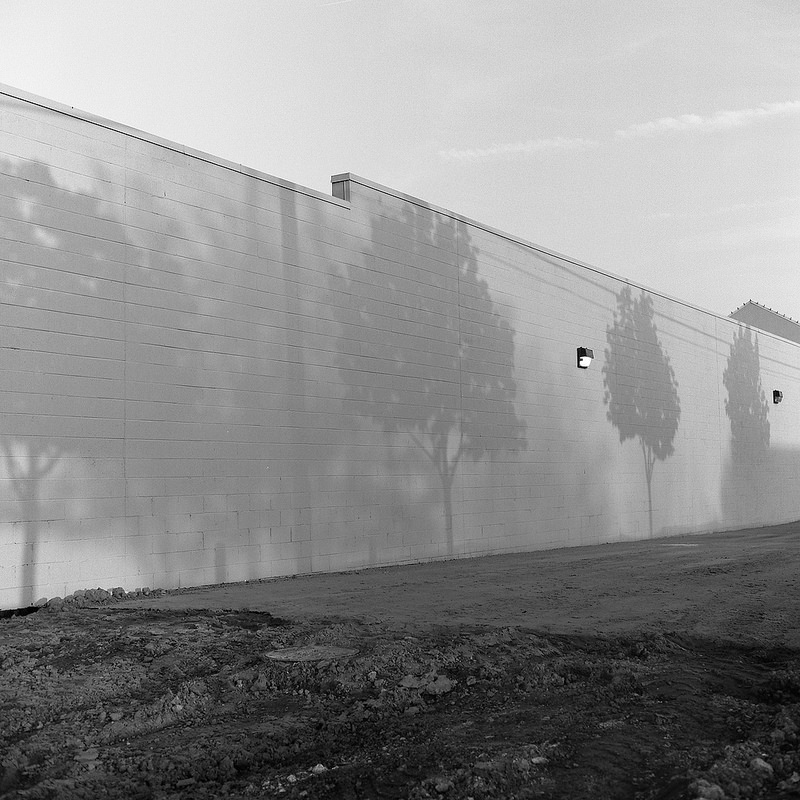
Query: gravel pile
{"type": "Point", "coordinates": [87, 598]}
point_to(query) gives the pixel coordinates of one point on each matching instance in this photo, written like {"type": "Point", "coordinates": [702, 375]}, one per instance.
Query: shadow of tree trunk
{"type": "Point", "coordinates": [28, 463]}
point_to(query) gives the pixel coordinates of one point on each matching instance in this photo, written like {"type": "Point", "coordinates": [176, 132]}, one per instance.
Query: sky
{"type": "Point", "coordinates": [658, 140]}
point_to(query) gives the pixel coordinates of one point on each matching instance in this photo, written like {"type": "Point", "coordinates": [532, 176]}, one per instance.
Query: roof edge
{"type": "Point", "coordinates": [135, 133]}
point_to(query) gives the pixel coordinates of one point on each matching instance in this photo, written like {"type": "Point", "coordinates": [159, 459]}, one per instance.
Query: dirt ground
{"type": "Point", "coordinates": [655, 670]}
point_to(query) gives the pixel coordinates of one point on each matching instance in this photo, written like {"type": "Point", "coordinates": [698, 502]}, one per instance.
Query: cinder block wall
{"type": "Point", "coordinates": [209, 374]}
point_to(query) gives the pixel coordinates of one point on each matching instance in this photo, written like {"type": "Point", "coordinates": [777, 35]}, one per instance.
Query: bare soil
{"type": "Point", "coordinates": [656, 670]}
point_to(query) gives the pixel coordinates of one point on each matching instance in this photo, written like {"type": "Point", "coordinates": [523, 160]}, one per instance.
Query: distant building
{"type": "Point", "coordinates": [766, 319]}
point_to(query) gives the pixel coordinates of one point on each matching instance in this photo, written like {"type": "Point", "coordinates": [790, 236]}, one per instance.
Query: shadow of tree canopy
{"type": "Point", "coordinates": [747, 474]}
{"type": "Point", "coordinates": [746, 404]}
{"type": "Point", "coordinates": [640, 387]}
{"type": "Point", "coordinates": [33, 253]}
{"type": "Point", "coordinates": [452, 392]}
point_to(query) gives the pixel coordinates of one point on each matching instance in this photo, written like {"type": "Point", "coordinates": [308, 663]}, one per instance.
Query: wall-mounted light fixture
{"type": "Point", "coordinates": [585, 356]}
{"type": "Point", "coordinates": [777, 396]}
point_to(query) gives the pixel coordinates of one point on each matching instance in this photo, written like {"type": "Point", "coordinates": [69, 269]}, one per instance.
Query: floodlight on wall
{"type": "Point", "coordinates": [777, 396]}
{"type": "Point", "coordinates": [585, 356]}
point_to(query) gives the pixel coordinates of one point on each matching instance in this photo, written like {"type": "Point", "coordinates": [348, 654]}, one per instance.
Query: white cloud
{"type": "Point", "coordinates": [723, 120]}
{"type": "Point", "coordinates": [757, 205]}
{"type": "Point", "coordinates": [782, 229]}
{"type": "Point", "coordinates": [528, 147]}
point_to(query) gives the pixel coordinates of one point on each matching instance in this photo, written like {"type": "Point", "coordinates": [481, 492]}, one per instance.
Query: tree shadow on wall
{"type": "Point", "coordinates": [29, 456]}
{"type": "Point", "coordinates": [640, 387]}
{"type": "Point", "coordinates": [434, 364]}
{"type": "Point", "coordinates": [747, 409]}
{"type": "Point", "coordinates": [28, 462]}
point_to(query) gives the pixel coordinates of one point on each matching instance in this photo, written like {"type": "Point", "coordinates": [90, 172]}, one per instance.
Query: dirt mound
{"type": "Point", "coordinates": [123, 703]}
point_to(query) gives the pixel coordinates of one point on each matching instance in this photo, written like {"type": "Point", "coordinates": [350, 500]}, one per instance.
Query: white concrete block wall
{"type": "Point", "coordinates": [208, 374]}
